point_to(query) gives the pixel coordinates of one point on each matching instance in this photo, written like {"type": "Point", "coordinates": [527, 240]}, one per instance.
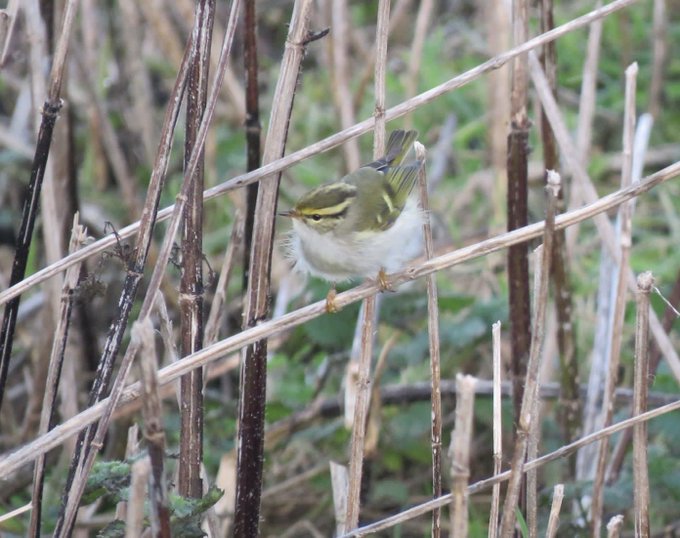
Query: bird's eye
{"type": "Point", "coordinates": [316, 217]}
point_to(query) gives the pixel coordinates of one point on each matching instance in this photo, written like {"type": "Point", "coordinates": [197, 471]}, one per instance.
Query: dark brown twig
{"type": "Point", "coordinates": [191, 284]}
{"type": "Point", "coordinates": [50, 113]}
{"type": "Point", "coordinates": [517, 208]}
{"type": "Point", "coordinates": [528, 409]}
{"type": "Point", "coordinates": [253, 127]}
{"type": "Point", "coordinates": [254, 367]}
{"type": "Point", "coordinates": [570, 403]}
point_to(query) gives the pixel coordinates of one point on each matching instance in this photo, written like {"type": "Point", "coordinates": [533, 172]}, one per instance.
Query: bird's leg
{"type": "Point", "coordinates": [331, 307]}
{"type": "Point", "coordinates": [382, 281]}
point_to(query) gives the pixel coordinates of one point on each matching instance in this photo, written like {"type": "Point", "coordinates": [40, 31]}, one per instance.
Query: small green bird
{"type": "Point", "coordinates": [365, 224]}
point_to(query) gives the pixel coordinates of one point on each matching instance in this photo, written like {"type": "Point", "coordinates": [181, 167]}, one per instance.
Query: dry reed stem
{"type": "Point", "coordinates": [660, 52]}
{"type": "Point", "coordinates": [134, 522]}
{"type": "Point", "coordinates": [602, 223]}
{"type": "Point", "coordinates": [433, 337]}
{"type": "Point", "coordinates": [614, 526]}
{"type": "Point", "coordinates": [586, 108]}
{"type": "Point", "coordinates": [271, 327]}
{"type": "Point", "coordinates": [154, 434]}
{"type": "Point", "coordinates": [341, 90]}
{"type": "Point", "coordinates": [362, 400]}
{"type": "Point", "coordinates": [459, 453]}
{"type": "Point", "coordinates": [191, 293]}
{"type": "Point", "coordinates": [517, 210]}
{"type": "Point", "coordinates": [253, 382]}
{"type": "Point", "coordinates": [326, 144]}
{"type": "Point", "coordinates": [586, 114]}
{"type": "Point", "coordinates": [645, 282]}
{"type": "Point", "coordinates": [49, 112]}
{"type": "Point", "coordinates": [369, 310]}
{"type": "Point", "coordinates": [78, 237]}
{"type": "Point", "coordinates": [416, 52]}
{"type": "Point", "coordinates": [555, 507]}
{"type": "Point", "coordinates": [482, 485]}
{"type": "Point", "coordinates": [8, 19]}
{"type": "Point", "coordinates": [497, 429]}
{"type": "Point", "coordinates": [616, 320]}
{"type": "Point", "coordinates": [340, 488]}
{"type": "Point", "coordinates": [531, 385]}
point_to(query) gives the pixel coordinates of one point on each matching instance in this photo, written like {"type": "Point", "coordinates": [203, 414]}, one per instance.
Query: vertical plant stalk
{"type": "Point", "coordinates": [416, 53]}
{"type": "Point", "coordinates": [570, 398]}
{"type": "Point", "coordinates": [254, 365]}
{"type": "Point", "coordinates": [497, 429]}
{"type": "Point", "coordinates": [340, 487]}
{"type": "Point", "coordinates": [625, 221]}
{"type": "Point", "coordinates": [645, 282]}
{"type": "Point", "coordinates": [253, 127]}
{"type": "Point", "coordinates": [134, 522]}
{"type": "Point", "coordinates": [460, 453]}
{"type": "Point", "coordinates": [191, 284]}
{"type": "Point", "coordinates": [368, 313]}
{"type": "Point", "coordinates": [341, 71]}
{"type": "Point", "coordinates": [90, 440]}
{"type": "Point", "coordinates": [50, 113]}
{"type": "Point", "coordinates": [433, 334]}
{"type": "Point", "coordinates": [531, 383]}
{"type": "Point", "coordinates": [555, 507]}
{"type": "Point", "coordinates": [153, 427]}
{"type": "Point", "coordinates": [614, 527]}
{"type": "Point", "coordinates": [498, 20]}
{"type": "Point", "coordinates": [517, 199]}
{"type": "Point", "coordinates": [78, 237]}
{"type": "Point", "coordinates": [660, 52]}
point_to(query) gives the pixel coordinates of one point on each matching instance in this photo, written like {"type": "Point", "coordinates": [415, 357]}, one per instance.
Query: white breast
{"type": "Point", "coordinates": [361, 255]}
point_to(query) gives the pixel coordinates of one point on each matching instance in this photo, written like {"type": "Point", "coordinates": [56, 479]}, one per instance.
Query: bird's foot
{"type": "Point", "coordinates": [383, 282]}
{"type": "Point", "coordinates": [331, 307]}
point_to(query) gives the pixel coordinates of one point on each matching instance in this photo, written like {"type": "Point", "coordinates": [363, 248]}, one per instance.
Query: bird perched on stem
{"type": "Point", "coordinates": [365, 224]}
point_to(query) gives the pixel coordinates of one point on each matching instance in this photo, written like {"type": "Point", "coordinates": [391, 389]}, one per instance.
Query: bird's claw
{"type": "Point", "coordinates": [383, 283]}
{"type": "Point", "coordinates": [331, 307]}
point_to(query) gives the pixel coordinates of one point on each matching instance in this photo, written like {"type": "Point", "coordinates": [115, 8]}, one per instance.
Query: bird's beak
{"type": "Point", "coordinates": [290, 213]}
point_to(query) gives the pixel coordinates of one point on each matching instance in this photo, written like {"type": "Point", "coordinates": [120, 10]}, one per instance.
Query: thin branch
{"type": "Point", "coordinates": [555, 507]}
{"type": "Point", "coordinates": [49, 399]}
{"type": "Point", "coordinates": [527, 414]}
{"type": "Point", "coordinates": [191, 283]}
{"type": "Point", "coordinates": [616, 320]}
{"type": "Point", "coordinates": [50, 113]}
{"type": "Point", "coordinates": [497, 429]}
{"type": "Point", "coordinates": [153, 428]}
{"type": "Point", "coordinates": [641, 496]}
{"type": "Point", "coordinates": [254, 366]}
{"type": "Point", "coordinates": [460, 454]}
